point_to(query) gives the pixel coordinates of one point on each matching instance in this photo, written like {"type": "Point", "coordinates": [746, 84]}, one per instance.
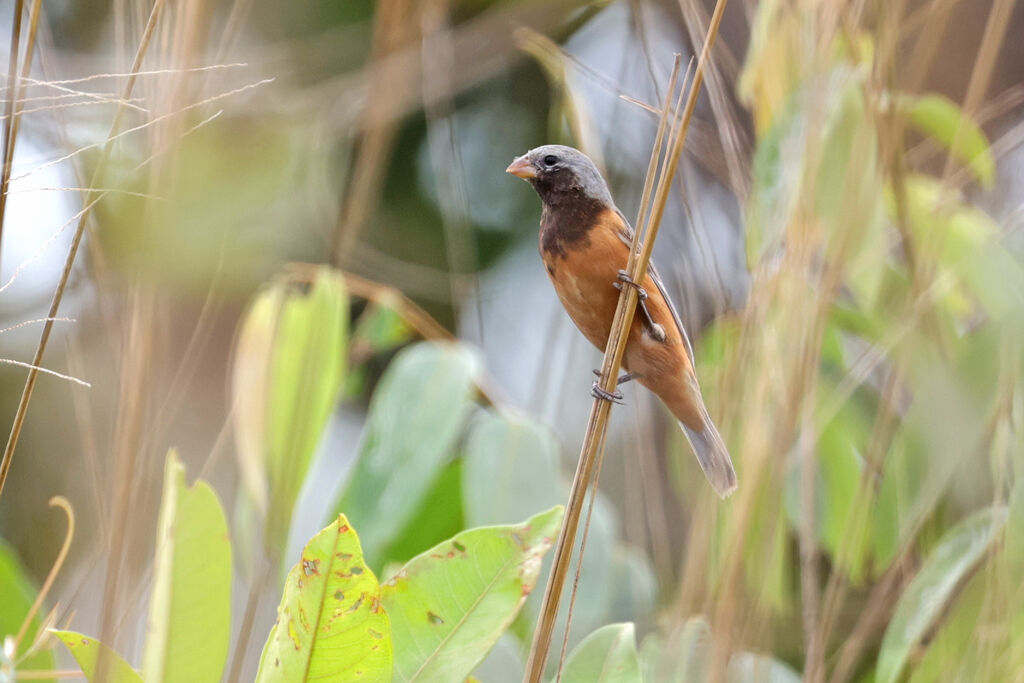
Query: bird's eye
{"type": "Point", "coordinates": [550, 160]}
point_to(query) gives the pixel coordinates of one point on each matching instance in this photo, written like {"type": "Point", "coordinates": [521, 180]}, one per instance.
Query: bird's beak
{"type": "Point", "coordinates": [522, 168]}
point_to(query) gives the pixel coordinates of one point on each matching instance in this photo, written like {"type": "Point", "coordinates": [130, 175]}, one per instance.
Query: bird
{"type": "Point", "coordinates": [584, 244]}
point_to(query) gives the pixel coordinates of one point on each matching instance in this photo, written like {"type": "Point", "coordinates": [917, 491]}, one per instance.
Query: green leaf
{"type": "Point", "coordinates": [747, 667]}
{"type": "Point", "coordinates": [434, 523]}
{"type": "Point", "coordinates": [16, 597]}
{"type": "Point", "coordinates": [941, 119]}
{"type": "Point", "coordinates": [288, 373]}
{"type": "Point", "coordinates": [927, 597]}
{"type": "Point", "coordinates": [681, 656]}
{"type": "Point", "coordinates": [189, 625]}
{"type": "Point", "coordinates": [608, 655]}
{"type": "Point", "coordinates": [330, 623]}
{"type": "Point", "coordinates": [416, 415]}
{"type": "Point", "coordinates": [450, 605]}
{"type": "Point", "coordinates": [87, 652]}
{"type": "Point", "coordinates": [511, 469]}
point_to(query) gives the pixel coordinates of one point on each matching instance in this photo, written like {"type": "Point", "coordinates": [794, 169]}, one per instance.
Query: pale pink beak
{"type": "Point", "coordinates": [522, 168]}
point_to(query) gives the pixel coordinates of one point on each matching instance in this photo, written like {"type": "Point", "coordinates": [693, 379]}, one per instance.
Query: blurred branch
{"type": "Point", "coordinates": [388, 84]}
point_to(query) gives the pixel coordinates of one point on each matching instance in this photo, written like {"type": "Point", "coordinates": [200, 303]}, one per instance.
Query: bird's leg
{"type": "Point", "coordinates": [656, 330]}
{"type": "Point", "coordinates": [623, 378]}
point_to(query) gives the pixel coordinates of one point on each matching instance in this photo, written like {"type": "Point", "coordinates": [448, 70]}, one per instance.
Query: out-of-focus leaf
{"type": "Point", "coordinates": [288, 372]}
{"type": "Point", "coordinates": [438, 517]}
{"type": "Point", "coordinates": [928, 595]}
{"type": "Point", "coordinates": [940, 118]}
{"type": "Point", "coordinates": [680, 657]}
{"type": "Point", "coordinates": [948, 651]}
{"type": "Point", "coordinates": [943, 422]}
{"type": "Point", "coordinates": [416, 414]}
{"type": "Point", "coordinates": [772, 68]}
{"type": "Point", "coordinates": [837, 478]}
{"type": "Point", "coordinates": [87, 652]}
{"type": "Point", "coordinates": [16, 597]}
{"type": "Point", "coordinates": [504, 663]}
{"type": "Point", "coordinates": [450, 605]}
{"type": "Point", "coordinates": [378, 330]}
{"type": "Point", "coordinates": [747, 667]}
{"type": "Point", "coordinates": [330, 623]}
{"type": "Point", "coordinates": [608, 655]}
{"type": "Point", "coordinates": [511, 470]}
{"type": "Point", "coordinates": [635, 586]}
{"type": "Point", "coordinates": [189, 625]}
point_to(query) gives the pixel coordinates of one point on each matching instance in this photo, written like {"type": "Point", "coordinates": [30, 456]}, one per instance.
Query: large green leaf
{"type": "Point", "coordinates": [16, 597]}
{"type": "Point", "coordinates": [608, 655]}
{"type": "Point", "coordinates": [189, 625]}
{"type": "Point", "coordinates": [928, 596]}
{"type": "Point", "coordinates": [87, 652]}
{"type": "Point", "coordinates": [330, 623]}
{"type": "Point", "coordinates": [288, 373]}
{"type": "Point", "coordinates": [450, 605]}
{"type": "Point", "coordinates": [416, 415]}
{"type": "Point", "coordinates": [511, 470]}
{"type": "Point", "coordinates": [941, 119]}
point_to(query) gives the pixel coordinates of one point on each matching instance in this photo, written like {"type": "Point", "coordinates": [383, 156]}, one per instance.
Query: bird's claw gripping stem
{"type": "Point", "coordinates": [656, 330]}
{"type": "Point", "coordinates": [613, 396]}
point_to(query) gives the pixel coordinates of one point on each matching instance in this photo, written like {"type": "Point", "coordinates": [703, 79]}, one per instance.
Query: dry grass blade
{"type": "Point", "coordinates": [58, 295]}
{"type": "Point", "coordinates": [640, 254]}
{"type": "Point", "coordinates": [12, 79]}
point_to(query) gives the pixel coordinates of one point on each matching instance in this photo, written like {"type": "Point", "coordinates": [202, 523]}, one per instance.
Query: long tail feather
{"type": "Point", "coordinates": [713, 456]}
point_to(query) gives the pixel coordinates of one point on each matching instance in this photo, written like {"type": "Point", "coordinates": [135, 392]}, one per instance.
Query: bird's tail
{"type": "Point", "coordinates": [712, 455]}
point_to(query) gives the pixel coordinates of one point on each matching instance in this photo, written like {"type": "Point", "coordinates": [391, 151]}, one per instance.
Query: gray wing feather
{"type": "Point", "coordinates": [626, 235]}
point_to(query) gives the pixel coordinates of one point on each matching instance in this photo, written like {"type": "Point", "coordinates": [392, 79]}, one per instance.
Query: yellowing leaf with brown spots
{"type": "Point", "coordinates": [330, 623]}
{"type": "Point", "coordinates": [88, 651]}
{"type": "Point", "coordinates": [449, 606]}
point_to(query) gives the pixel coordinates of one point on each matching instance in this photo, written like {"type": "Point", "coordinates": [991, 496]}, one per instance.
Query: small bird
{"type": "Point", "coordinates": [584, 243]}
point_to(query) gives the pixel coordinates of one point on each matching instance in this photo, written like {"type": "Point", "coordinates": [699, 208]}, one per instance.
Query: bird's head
{"type": "Point", "coordinates": [559, 173]}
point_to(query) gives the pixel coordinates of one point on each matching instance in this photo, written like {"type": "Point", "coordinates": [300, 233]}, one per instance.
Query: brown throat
{"type": "Point", "coordinates": [566, 221]}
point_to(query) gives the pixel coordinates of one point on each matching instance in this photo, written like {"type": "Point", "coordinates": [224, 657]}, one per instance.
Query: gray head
{"type": "Point", "coordinates": [559, 173]}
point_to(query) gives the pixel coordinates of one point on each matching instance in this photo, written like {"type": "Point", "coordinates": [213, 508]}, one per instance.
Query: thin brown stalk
{"type": "Point", "coordinates": [12, 81]}
{"type": "Point", "coordinates": [58, 295]}
{"type": "Point", "coordinates": [639, 257]}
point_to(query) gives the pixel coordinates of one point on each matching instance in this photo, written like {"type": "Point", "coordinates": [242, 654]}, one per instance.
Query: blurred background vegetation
{"type": "Point", "coordinates": [845, 244]}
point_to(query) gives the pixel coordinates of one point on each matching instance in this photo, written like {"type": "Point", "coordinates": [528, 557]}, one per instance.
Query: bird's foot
{"type": "Point", "coordinates": [625, 279]}
{"type": "Point", "coordinates": [613, 396]}
{"type": "Point", "coordinates": [623, 378]}
{"type": "Point", "coordinates": [656, 330]}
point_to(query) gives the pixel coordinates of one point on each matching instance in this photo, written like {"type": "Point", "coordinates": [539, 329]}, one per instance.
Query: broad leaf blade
{"type": "Point", "coordinates": [511, 470]}
{"type": "Point", "coordinates": [189, 624]}
{"type": "Point", "coordinates": [450, 605]}
{"type": "Point", "coordinates": [87, 652]}
{"type": "Point", "coordinates": [608, 655]}
{"type": "Point", "coordinates": [928, 595]}
{"type": "Point", "coordinates": [289, 368]}
{"type": "Point", "coordinates": [416, 414]}
{"type": "Point", "coordinates": [330, 624]}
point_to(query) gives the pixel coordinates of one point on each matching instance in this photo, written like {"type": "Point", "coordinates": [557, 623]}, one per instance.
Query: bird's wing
{"type": "Point", "coordinates": [626, 235]}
